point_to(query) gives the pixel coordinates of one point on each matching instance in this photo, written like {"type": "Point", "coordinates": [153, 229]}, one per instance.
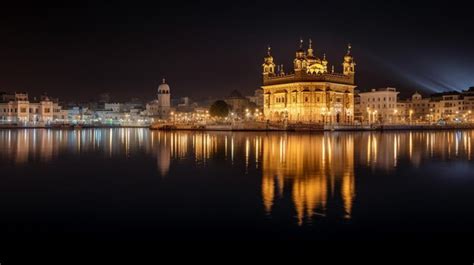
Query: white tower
{"type": "Point", "coordinates": [164, 101]}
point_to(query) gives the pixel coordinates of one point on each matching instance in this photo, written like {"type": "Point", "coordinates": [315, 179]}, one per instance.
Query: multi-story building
{"type": "Point", "coordinates": [60, 115]}
{"type": "Point", "coordinates": [451, 106]}
{"type": "Point", "coordinates": [402, 113]}
{"type": "Point", "coordinates": [161, 106]}
{"type": "Point", "coordinates": [237, 102]}
{"type": "Point", "coordinates": [358, 115]}
{"type": "Point", "coordinates": [468, 107]}
{"type": "Point", "coordinates": [447, 105]}
{"type": "Point", "coordinates": [114, 107]}
{"type": "Point", "coordinates": [419, 109]}
{"type": "Point", "coordinates": [312, 93]}
{"type": "Point", "coordinates": [379, 106]}
{"type": "Point", "coordinates": [16, 108]}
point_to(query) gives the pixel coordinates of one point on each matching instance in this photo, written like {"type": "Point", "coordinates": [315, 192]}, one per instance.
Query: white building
{"type": "Point", "coordinates": [114, 107]}
{"type": "Point", "coordinates": [379, 105]}
{"type": "Point", "coordinates": [16, 108]}
{"type": "Point", "coordinates": [161, 107]}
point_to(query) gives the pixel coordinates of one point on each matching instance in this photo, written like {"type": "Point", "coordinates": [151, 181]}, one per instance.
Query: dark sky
{"type": "Point", "coordinates": [210, 48]}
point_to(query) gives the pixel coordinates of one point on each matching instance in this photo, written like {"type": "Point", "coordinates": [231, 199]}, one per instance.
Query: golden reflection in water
{"type": "Point", "coordinates": [385, 150]}
{"type": "Point", "coordinates": [315, 167]}
{"type": "Point", "coordinates": [311, 170]}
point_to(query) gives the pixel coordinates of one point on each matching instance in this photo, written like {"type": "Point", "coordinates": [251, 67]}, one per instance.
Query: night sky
{"type": "Point", "coordinates": [211, 48]}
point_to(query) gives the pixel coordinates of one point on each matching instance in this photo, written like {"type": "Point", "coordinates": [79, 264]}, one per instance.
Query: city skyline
{"type": "Point", "coordinates": [126, 49]}
{"type": "Point", "coordinates": [134, 122]}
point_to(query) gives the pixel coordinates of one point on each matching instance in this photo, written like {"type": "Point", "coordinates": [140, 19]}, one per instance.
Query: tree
{"type": "Point", "coordinates": [219, 109]}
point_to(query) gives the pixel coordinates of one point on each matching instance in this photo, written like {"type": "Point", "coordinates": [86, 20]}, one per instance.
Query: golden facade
{"type": "Point", "coordinates": [311, 94]}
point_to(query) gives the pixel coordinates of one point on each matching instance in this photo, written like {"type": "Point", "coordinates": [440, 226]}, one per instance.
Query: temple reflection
{"type": "Point", "coordinates": [312, 172]}
{"type": "Point", "coordinates": [315, 167]}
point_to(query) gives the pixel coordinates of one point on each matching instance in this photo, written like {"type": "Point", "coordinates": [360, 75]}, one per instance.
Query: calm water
{"type": "Point", "coordinates": [148, 185]}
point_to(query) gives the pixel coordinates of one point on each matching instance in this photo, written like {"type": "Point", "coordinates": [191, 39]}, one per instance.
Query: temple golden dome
{"type": "Point", "coordinates": [324, 61]}
{"type": "Point", "coordinates": [348, 57]}
{"type": "Point", "coordinates": [268, 58]}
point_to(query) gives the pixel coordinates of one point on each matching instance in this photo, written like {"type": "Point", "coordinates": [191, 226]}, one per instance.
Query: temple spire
{"type": "Point", "coordinates": [310, 50]}
{"type": "Point", "coordinates": [164, 80]}
{"type": "Point", "coordinates": [349, 47]}
{"type": "Point", "coordinates": [269, 49]}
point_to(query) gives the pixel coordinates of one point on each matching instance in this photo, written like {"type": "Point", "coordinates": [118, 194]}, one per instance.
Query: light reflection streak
{"type": "Point", "coordinates": [311, 170]}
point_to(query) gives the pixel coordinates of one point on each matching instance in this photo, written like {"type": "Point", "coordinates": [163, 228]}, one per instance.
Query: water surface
{"type": "Point", "coordinates": [148, 185]}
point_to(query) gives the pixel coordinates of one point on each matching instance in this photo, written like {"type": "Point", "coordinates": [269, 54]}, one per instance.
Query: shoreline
{"type": "Point", "coordinates": [327, 128]}
{"type": "Point", "coordinates": [3, 127]}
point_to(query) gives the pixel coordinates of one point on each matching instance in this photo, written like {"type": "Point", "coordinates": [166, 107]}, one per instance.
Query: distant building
{"type": "Point", "coordinates": [358, 114]}
{"type": "Point", "coordinates": [18, 109]}
{"type": "Point", "coordinates": [418, 108]}
{"type": "Point", "coordinates": [237, 102]}
{"type": "Point", "coordinates": [446, 106]}
{"type": "Point", "coordinates": [257, 98]}
{"type": "Point", "coordinates": [184, 102]}
{"type": "Point", "coordinates": [114, 107]}
{"type": "Point", "coordinates": [379, 105]}
{"type": "Point", "coordinates": [468, 107]}
{"type": "Point", "coordinates": [79, 115]}
{"type": "Point", "coordinates": [161, 107]}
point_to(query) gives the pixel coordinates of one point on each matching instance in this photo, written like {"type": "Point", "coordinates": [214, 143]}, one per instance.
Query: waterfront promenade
{"type": "Point", "coordinates": [261, 126]}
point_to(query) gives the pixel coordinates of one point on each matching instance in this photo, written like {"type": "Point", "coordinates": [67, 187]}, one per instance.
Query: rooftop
{"type": "Point", "coordinates": [304, 77]}
{"type": "Point", "coordinates": [384, 89]}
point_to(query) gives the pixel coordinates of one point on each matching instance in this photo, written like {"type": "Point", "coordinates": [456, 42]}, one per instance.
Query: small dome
{"type": "Point", "coordinates": [268, 58]}
{"type": "Point", "coordinates": [324, 61]}
{"type": "Point", "coordinates": [163, 87]}
{"type": "Point", "coordinates": [416, 96]}
{"type": "Point", "coordinates": [348, 58]}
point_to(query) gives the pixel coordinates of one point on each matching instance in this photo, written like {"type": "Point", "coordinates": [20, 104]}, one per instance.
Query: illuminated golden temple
{"type": "Point", "coordinates": [312, 94]}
